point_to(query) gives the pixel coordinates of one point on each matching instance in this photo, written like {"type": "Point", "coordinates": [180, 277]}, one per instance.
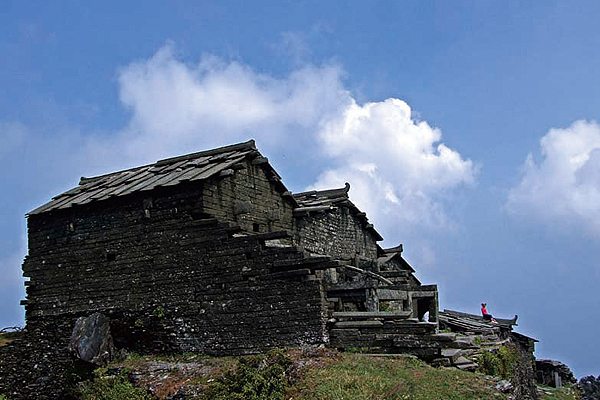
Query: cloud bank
{"type": "Point", "coordinates": [178, 107]}
{"type": "Point", "coordinates": [564, 185]}
{"type": "Point", "coordinates": [397, 167]}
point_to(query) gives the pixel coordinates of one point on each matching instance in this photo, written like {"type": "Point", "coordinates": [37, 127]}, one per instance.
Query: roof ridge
{"type": "Point", "coordinates": [85, 179]}
{"type": "Point", "coordinates": [250, 144]}
{"type": "Point", "coordinates": [345, 189]}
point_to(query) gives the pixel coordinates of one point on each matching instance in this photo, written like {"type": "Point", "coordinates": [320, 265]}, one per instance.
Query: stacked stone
{"type": "Point", "coordinates": [339, 233]}
{"type": "Point", "coordinates": [589, 388]}
{"type": "Point", "coordinates": [169, 278]}
{"type": "Point", "coordinates": [385, 333]}
{"type": "Point", "coordinates": [553, 373]}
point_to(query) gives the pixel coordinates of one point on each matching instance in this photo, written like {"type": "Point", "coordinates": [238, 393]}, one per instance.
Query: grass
{"type": "Point", "coordinates": [7, 337]}
{"type": "Point", "coordinates": [499, 364]}
{"type": "Point", "coordinates": [293, 374]}
{"type": "Point", "coordinates": [109, 387]}
{"type": "Point", "coordinates": [357, 377]}
{"type": "Point", "coordinates": [564, 393]}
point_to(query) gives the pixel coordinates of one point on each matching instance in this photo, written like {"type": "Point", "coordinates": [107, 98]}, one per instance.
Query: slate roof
{"type": "Point", "coordinates": [388, 256]}
{"type": "Point", "coordinates": [168, 172]}
{"type": "Point", "coordinates": [474, 323]}
{"type": "Point", "coordinates": [326, 200]}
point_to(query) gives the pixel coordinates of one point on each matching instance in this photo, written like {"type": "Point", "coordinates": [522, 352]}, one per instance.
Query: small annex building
{"type": "Point", "coordinates": [210, 252]}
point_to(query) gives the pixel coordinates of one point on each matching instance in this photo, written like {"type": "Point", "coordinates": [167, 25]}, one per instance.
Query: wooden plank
{"type": "Point", "coordinates": [215, 169]}
{"type": "Point", "coordinates": [89, 197]}
{"type": "Point", "coordinates": [169, 179]}
{"type": "Point", "coordinates": [173, 166]}
{"type": "Point", "coordinates": [70, 201]}
{"type": "Point", "coordinates": [141, 183]}
{"type": "Point", "coordinates": [372, 314]}
{"type": "Point", "coordinates": [192, 174]}
{"type": "Point", "coordinates": [358, 324]}
{"type": "Point", "coordinates": [136, 180]}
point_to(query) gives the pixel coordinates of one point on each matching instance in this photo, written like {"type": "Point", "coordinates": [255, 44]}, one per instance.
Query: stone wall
{"type": "Point", "coordinates": [212, 287]}
{"type": "Point", "coordinates": [250, 198]}
{"type": "Point", "coordinates": [338, 233]}
{"type": "Point", "coordinates": [169, 277]}
{"type": "Point", "coordinates": [37, 365]}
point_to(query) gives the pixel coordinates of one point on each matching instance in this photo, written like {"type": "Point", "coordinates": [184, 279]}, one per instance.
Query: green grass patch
{"type": "Point", "coordinates": [563, 393]}
{"type": "Point", "coordinates": [357, 377]}
{"type": "Point", "coordinates": [108, 387]}
{"type": "Point", "coordinates": [286, 374]}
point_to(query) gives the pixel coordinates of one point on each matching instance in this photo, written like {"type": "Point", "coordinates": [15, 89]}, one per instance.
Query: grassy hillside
{"type": "Point", "coordinates": [286, 375]}
{"type": "Point", "coordinates": [291, 374]}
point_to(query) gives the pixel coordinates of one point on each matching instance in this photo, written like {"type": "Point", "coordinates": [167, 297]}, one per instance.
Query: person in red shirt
{"type": "Point", "coordinates": [486, 315]}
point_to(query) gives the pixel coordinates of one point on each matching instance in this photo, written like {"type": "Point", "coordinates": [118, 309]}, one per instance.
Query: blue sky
{"type": "Point", "coordinates": [467, 130]}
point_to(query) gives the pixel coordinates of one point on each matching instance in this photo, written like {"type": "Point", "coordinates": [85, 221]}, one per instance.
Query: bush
{"type": "Point", "coordinates": [106, 387]}
{"type": "Point", "coordinates": [252, 378]}
{"type": "Point", "coordinates": [500, 364]}
{"type": "Point", "coordinates": [489, 363]}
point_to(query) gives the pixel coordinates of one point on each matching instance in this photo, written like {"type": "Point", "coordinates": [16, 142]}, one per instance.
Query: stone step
{"type": "Point", "coordinates": [452, 354]}
{"type": "Point", "coordinates": [443, 337]}
{"type": "Point", "coordinates": [358, 324]}
{"type": "Point", "coordinates": [462, 360]}
{"type": "Point", "coordinates": [467, 367]}
{"type": "Point", "coordinates": [462, 343]}
{"type": "Point", "coordinates": [465, 364]}
{"type": "Point", "coordinates": [441, 362]}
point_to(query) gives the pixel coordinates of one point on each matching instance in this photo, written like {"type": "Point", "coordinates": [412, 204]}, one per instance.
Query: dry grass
{"type": "Point", "coordinates": [7, 337]}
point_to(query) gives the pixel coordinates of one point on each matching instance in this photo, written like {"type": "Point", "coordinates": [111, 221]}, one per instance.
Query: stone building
{"type": "Point", "coordinates": [210, 252]}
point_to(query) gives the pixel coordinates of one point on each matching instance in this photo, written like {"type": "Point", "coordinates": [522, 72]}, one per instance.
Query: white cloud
{"type": "Point", "coordinates": [177, 107]}
{"type": "Point", "coordinates": [398, 168]}
{"type": "Point", "coordinates": [399, 171]}
{"type": "Point", "coordinates": [564, 186]}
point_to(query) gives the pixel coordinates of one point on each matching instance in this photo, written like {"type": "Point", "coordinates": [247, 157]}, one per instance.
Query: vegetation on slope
{"type": "Point", "coordinates": [291, 374]}
{"type": "Point", "coordinates": [362, 377]}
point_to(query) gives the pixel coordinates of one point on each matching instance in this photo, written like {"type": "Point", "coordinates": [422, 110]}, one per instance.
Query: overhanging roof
{"type": "Point", "coordinates": [164, 173]}
{"type": "Point", "coordinates": [325, 200]}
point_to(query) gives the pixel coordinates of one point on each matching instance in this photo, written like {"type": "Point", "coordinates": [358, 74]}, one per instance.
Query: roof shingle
{"type": "Point", "coordinates": [167, 172]}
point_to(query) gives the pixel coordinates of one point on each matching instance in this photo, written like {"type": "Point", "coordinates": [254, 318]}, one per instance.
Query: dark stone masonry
{"type": "Point", "coordinates": [207, 252]}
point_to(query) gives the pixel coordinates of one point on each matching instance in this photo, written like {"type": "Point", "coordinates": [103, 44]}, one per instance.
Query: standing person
{"type": "Point", "coordinates": [486, 315]}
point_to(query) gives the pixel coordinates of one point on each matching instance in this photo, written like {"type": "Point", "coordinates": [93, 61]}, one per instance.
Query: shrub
{"type": "Point", "coordinates": [252, 378]}
{"type": "Point", "coordinates": [500, 364]}
{"type": "Point", "coordinates": [509, 356]}
{"type": "Point", "coordinates": [106, 387]}
{"type": "Point", "coordinates": [489, 363]}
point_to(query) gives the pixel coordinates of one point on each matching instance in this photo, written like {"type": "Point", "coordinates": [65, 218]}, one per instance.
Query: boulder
{"type": "Point", "coordinates": [91, 340]}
